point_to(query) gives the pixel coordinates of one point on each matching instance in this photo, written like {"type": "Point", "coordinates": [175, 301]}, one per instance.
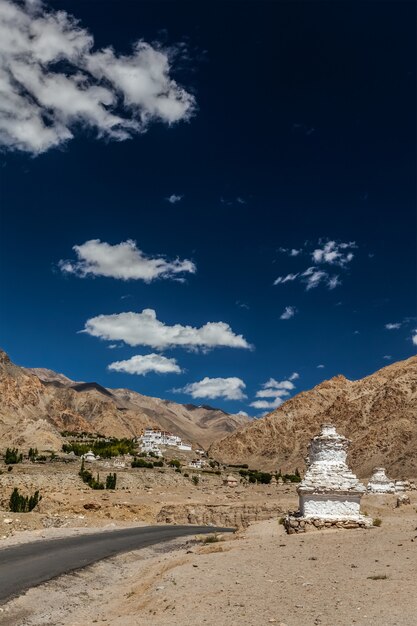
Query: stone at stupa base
{"type": "Point", "coordinates": [329, 494]}
{"type": "Point", "coordinates": [295, 523]}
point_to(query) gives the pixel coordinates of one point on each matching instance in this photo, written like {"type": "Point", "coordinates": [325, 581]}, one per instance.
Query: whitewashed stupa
{"type": "Point", "coordinates": [329, 494]}
{"type": "Point", "coordinates": [380, 483]}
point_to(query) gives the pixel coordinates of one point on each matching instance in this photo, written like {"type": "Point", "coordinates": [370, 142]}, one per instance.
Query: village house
{"type": "Point", "coordinates": [196, 464]}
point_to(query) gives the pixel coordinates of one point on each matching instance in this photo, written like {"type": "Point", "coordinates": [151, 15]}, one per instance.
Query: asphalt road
{"type": "Point", "coordinates": [27, 565]}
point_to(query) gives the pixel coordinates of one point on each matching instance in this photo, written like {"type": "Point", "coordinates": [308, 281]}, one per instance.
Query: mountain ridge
{"type": "Point", "coordinates": [36, 404]}
{"type": "Point", "coordinates": [378, 413]}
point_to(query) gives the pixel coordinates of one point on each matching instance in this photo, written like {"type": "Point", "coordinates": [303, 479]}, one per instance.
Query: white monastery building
{"type": "Point", "coordinates": [152, 440]}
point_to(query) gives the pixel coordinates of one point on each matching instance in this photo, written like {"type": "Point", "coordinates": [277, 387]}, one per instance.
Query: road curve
{"type": "Point", "coordinates": [30, 564]}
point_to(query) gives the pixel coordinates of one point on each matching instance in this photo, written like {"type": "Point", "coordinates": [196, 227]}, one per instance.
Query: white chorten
{"type": "Point", "coordinates": [380, 483]}
{"type": "Point", "coordinates": [329, 490]}
{"type": "Point", "coordinates": [89, 457]}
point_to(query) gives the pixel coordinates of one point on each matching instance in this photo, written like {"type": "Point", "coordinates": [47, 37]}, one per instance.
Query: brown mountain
{"type": "Point", "coordinates": [378, 413]}
{"type": "Point", "coordinates": [36, 404]}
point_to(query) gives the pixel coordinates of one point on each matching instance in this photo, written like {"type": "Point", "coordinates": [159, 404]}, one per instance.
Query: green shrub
{"type": "Point", "coordinates": [142, 463]}
{"type": "Point", "coordinates": [87, 477]}
{"type": "Point", "coordinates": [32, 454]}
{"type": "Point", "coordinates": [12, 456]}
{"type": "Point", "coordinates": [377, 522]}
{"type": "Point", "coordinates": [23, 504]}
{"type": "Point", "coordinates": [111, 481]}
{"type": "Point", "coordinates": [195, 480]}
{"type": "Point", "coordinates": [175, 463]}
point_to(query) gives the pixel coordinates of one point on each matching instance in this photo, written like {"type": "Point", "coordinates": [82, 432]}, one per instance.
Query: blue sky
{"type": "Point", "coordinates": [240, 190]}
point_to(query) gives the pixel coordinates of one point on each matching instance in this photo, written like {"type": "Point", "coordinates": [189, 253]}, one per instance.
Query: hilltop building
{"type": "Point", "coordinates": [152, 440]}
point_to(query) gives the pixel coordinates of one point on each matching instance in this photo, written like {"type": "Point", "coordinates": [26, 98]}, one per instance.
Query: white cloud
{"type": "Point", "coordinates": [174, 198]}
{"type": "Point", "coordinates": [393, 326]}
{"type": "Point", "coordinates": [242, 413]}
{"type": "Point", "coordinates": [414, 337]}
{"type": "Point", "coordinates": [334, 253]}
{"type": "Point", "coordinates": [52, 82]}
{"type": "Point", "coordinates": [285, 279]}
{"type": "Point", "coordinates": [387, 357]}
{"type": "Point", "coordinates": [320, 367]}
{"type": "Point", "coordinates": [143, 364]}
{"type": "Point", "coordinates": [264, 404]}
{"type": "Point", "coordinates": [144, 329]}
{"type": "Point", "coordinates": [330, 253]}
{"type": "Point", "coordinates": [291, 251]}
{"type": "Point", "coordinates": [288, 313]}
{"type": "Point", "coordinates": [123, 261]}
{"type": "Point", "coordinates": [278, 390]}
{"type": "Point", "coordinates": [313, 276]}
{"type": "Point", "coordinates": [211, 388]}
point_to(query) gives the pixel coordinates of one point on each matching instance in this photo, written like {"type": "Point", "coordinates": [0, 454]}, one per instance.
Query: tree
{"type": "Point", "coordinates": [23, 504]}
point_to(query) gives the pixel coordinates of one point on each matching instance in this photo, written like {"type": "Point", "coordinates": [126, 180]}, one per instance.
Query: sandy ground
{"type": "Point", "coordinates": [259, 576]}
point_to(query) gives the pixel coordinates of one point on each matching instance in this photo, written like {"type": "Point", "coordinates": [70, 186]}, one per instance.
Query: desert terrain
{"type": "Point", "coordinates": [260, 575]}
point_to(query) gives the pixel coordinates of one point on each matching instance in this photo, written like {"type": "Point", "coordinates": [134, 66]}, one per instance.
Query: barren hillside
{"type": "Point", "coordinates": [379, 414]}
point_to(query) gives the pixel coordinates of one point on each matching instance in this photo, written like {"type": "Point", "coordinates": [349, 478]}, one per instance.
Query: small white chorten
{"type": "Point", "coordinates": [231, 481]}
{"type": "Point", "coordinates": [89, 457]}
{"type": "Point", "coordinates": [329, 489]}
{"type": "Point", "coordinates": [380, 483]}
{"type": "Point", "coordinates": [329, 494]}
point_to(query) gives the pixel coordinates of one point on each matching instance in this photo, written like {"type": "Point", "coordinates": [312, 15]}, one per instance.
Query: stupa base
{"type": "Point", "coordinates": [295, 523]}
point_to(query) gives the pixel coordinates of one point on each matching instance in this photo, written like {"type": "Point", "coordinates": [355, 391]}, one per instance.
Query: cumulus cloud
{"type": "Point", "coordinates": [53, 82]}
{"type": "Point", "coordinates": [123, 261]}
{"type": "Point", "coordinates": [276, 390]}
{"type": "Point", "coordinates": [334, 253]}
{"type": "Point", "coordinates": [414, 337]}
{"type": "Point", "coordinates": [288, 313]}
{"type": "Point", "coordinates": [393, 326]}
{"type": "Point", "coordinates": [174, 198]}
{"type": "Point", "coordinates": [266, 404]}
{"type": "Point", "coordinates": [211, 388]}
{"type": "Point", "coordinates": [143, 364]}
{"type": "Point", "coordinates": [242, 413]}
{"type": "Point", "coordinates": [144, 329]}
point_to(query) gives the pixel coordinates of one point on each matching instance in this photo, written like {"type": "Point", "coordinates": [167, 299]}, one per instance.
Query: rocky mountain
{"type": "Point", "coordinates": [37, 404]}
{"type": "Point", "coordinates": [378, 413]}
